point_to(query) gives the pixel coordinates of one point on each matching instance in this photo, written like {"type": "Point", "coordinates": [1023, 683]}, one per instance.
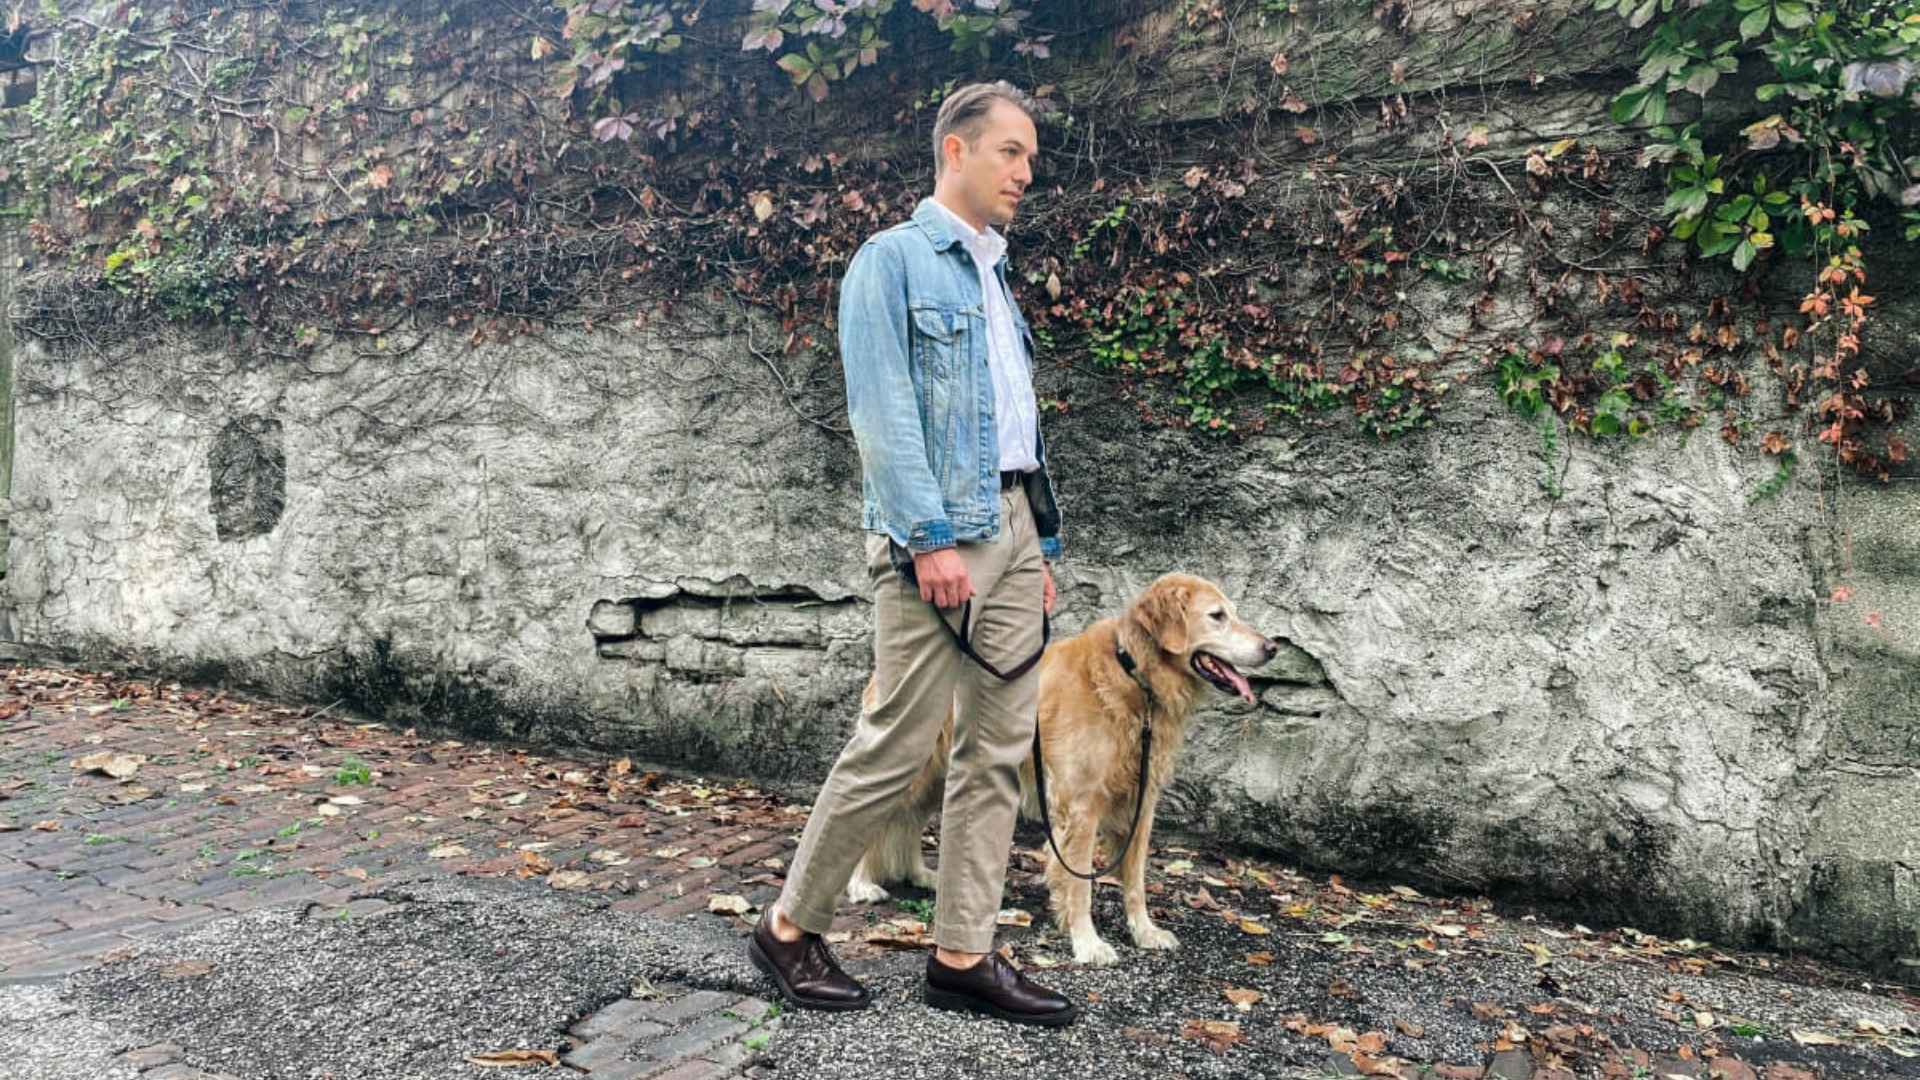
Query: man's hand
{"type": "Point", "coordinates": [943, 577]}
{"type": "Point", "coordinates": [1046, 576]}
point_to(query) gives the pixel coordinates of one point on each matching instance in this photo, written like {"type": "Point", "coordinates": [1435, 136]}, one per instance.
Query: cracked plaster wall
{"type": "Point", "coordinates": [1631, 701]}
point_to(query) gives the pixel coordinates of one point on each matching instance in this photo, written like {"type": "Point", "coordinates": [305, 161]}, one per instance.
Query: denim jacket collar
{"type": "Point", "coordinates": [932, 221]}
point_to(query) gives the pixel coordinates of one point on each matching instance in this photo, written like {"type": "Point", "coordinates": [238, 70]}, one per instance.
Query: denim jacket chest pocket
{"type": "Point", "coordinates": [943, 340]}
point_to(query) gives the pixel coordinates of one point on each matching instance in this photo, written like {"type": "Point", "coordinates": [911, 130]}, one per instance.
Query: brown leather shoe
{"type": "Point", "coordinates": [804, 970]}
{"type": "Point", "coordinates": [996, 988]}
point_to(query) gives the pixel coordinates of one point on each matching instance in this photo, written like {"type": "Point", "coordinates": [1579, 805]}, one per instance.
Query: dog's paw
{"type": "Point", "coordinates": [866, 892]}
{"type": "Point", "coordinates": [924, 877]}
{"type": "Point", "coordinates": [1093, 952]}
{"type": "Point", "coordinates": [1151, 936]}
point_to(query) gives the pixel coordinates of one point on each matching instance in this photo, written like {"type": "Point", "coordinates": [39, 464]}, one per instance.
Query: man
{"type": "Point", "coordinates": [940, 397]}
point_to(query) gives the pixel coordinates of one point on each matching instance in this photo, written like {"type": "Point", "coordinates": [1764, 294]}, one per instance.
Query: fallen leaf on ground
{"type": "Point", "coordinates": [448, 851]}
{"type": "Point", "coordinates": [1215, 1035]}
{"type": "Point", "coordinates": [1014, 917]}
{"type": "Point", "coordinates": [1244, 1000]}
{"type": "Point", "coordinates": [728, 904]}
{"type": "Point", "coordinates": [49, 825]}
{"type": "Point", "coordinates": [355, 873]}
{"type": "Point", "coordinates": [701, 862]}
{"type": "Point", "coordinates": [899, 934]}
{"type": "Point", "coordinates": [1816, 1038]}
{"type": "Point", "coordinates": [1542, 956]}
{"type": "Point", "coordinates": [533, 864]}
{"type": "Point", "coordinates": [513, 1059]}
{"type": "Point", "coordinates": [118, 766]}
{"type": "Point", "coordinates": [1447, 929]}
{"type": "Point", "coordinates": [186, 969]}
{"type": "Point", "coordinates": [669, 852]}
{"type": "Point", "coordinates": [346, 800]}
{"type": "Point", "coordinates": [1260, 959]}
{"type": "Point", "coordinates": [609, 857]}
{"type": "Point", "coordinates": [1248, 926]}
{"type": "Point", "coordinates": [567, 879]}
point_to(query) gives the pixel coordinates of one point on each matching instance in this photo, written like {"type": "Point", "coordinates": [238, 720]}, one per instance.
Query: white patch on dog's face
{"type": "Point", "coordinates": [1220, 646]}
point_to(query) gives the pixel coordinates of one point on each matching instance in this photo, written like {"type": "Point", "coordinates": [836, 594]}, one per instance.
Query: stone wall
{"type": "Point", "coordinates": [1635, 700]}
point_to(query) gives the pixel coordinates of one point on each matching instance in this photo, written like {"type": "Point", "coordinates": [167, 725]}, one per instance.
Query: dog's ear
{"type": "Point", "coordinates": [1162, 615]}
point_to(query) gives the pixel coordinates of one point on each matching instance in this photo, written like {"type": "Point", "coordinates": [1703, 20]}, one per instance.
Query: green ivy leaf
{"type": "Point", "coordinates": [798, 67]}
{"type": "Point", "coordinates": [1657, 107]}
{"type": "Point", "coordinates": [1628, 105]}
{"type": "Point", "coordinates": [1686, 202]}
{"type": "Point", "coordinates": [1701, 77]}
{"type": "Point", "coordinates": [1755, 23]}
{"type": "Point", "coordinates": [1792, 14]}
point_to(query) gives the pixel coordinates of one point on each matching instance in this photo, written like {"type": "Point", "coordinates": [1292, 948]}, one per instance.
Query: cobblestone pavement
{"type": "Point", "coordinates": [199, 884]}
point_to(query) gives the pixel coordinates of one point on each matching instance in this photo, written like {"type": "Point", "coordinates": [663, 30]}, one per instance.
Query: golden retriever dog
{"type": "Point", "coordinates": [1184, 638]}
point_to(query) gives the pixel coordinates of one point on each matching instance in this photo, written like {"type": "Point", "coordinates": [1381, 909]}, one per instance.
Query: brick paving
{"type": "Point", "coordinates": [224, 804]}
{"type": "Point", "coordinates": [237, 804]}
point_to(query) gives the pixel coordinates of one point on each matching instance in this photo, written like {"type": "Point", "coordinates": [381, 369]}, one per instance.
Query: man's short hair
{"type": "Point", "coordinates": [965, 112]}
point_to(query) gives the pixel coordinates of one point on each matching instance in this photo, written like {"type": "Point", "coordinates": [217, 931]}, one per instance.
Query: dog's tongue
{"type": "Point", "coordinates": [1231, 674]}
{"type": "Point", "coordinates": [1239, 682]}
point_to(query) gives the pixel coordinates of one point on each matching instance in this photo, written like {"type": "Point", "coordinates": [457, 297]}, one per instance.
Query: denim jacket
{"type": "Point", "coordinates": [913, 342]}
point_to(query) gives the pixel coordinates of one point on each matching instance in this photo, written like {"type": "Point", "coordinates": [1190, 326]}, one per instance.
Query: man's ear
{"type": "Point", "coordinates": [1162, 615]}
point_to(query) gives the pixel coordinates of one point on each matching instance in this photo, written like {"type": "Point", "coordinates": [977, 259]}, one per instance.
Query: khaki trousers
{"type": "Point", "coordinates": [920, 672]}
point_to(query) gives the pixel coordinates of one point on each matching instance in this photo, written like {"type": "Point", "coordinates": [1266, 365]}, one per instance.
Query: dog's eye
{"type": "Point", "coordinates": [1218, 616]}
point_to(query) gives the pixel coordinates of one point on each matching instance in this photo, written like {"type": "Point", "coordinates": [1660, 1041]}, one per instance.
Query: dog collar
{"type": "Point", "coordinates": [1132, 668]}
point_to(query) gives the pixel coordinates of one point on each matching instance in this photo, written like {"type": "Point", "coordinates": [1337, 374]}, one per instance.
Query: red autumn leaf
{"type": "Point", "coordinates": [1216, 1035]}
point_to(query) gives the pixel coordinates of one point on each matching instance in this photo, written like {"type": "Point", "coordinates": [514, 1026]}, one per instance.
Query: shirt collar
{"type": "Point", "coordinates": [987, 246]}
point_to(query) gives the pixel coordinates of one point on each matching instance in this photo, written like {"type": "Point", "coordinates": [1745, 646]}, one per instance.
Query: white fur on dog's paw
{"type": "Point", "coordinates": [1090, 950]}
{"type": "Point", "coordinates": [1150, 936]}
{"type": "Point", "coordinates": [865, 892]}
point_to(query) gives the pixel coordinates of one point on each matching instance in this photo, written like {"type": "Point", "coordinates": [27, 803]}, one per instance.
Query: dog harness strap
{"type": "Point", "coordinates": [1139, 795]}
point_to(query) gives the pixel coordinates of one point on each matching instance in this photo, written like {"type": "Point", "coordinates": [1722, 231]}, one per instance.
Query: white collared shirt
{"type": "Point", "coordinates": [1016, 414]}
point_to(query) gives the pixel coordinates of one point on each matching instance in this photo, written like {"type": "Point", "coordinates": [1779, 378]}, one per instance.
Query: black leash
{"type": "Point", "coordinates": [1139, 795]}
{"type": "Point", "coordinates": [960, 637]}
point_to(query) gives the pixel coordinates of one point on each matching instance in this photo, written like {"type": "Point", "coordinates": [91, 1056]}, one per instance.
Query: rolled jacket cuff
{"type": "Point", "coordinates": [930, 535]}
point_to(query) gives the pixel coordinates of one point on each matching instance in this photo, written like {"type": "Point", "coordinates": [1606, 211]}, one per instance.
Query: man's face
{"type": "Point", "coordinates": [991, 175]}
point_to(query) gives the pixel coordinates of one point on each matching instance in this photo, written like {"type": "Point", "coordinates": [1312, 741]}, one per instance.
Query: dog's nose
{"type": "Point", "coordinates": [1271, 648]}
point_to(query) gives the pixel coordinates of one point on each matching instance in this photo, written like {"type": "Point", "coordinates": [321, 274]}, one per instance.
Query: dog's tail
{"type": "Point", "coordinates": [1029, 792]}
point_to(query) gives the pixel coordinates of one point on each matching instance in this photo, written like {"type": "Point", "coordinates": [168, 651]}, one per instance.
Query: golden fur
{"type": "Point", "coordinates": [1089, 716]}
